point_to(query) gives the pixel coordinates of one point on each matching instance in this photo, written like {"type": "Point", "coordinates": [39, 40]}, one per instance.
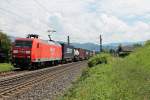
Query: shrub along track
{"type": "Point", "coordinates": [13, 85]}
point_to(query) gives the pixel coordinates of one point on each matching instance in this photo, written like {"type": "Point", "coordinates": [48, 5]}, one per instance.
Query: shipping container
{"type": "Point", "coordinates": [87, 54]}
{"type": "Point", "coordinates": [82, 54]}
{"type": "Point", "coordinates": [67, 52]}
{"type": "Point", "coordinates": [76, 54]}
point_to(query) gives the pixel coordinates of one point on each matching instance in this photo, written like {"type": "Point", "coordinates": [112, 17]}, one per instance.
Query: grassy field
{"type": "Point", "coordinates": [119, 79]}
{"type": "Point", "coordinates": [5, 67]}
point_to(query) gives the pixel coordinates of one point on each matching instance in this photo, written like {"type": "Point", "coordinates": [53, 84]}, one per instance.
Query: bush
{"type": "Point", "coordinates": [5, 46]}
{"type": "Point", "coordinates": [99, 59]}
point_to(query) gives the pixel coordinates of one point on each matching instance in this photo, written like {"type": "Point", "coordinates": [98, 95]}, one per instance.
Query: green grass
{"type": "Point", "coordinates": [5, 67]}
{"type": "Point", "coordinates": [121, 79]}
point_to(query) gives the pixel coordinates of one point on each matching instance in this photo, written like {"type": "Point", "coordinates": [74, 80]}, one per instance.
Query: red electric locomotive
{"type": "Point", "coordinates": [32, 52]}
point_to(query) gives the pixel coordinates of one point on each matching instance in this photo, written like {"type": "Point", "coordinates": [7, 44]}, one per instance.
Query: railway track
{"type": "Point", "coordinates": [10, 73]}
{"type": "Point", "coordinates": [17, 84]}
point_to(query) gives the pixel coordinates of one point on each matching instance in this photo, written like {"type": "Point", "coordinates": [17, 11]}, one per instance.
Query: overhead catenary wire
{"type": "Point", "coordinates": [41, 6]}
{"type": "Point", "coordinates": [26, 19]}
{"type": "Point", "coordinates": [4, 10]}
{"type": "Point", "coordinates": [12, 13]}
{"type": "Point", "coordinates": [45, 9]}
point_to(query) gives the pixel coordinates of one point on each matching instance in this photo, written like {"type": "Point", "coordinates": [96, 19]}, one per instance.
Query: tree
{"type": "Point", "coordinates": [5, 46]}
{"type": "Point", "coordinates": [137, 45]}
{"type": "Point", "coordinates": [119, 49]}
{"type": "Point", "coordinates": [147, 42]}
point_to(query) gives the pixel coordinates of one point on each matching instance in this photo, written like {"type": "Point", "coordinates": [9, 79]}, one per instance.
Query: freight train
{"type": "Point", "coordinates": [32, 52]}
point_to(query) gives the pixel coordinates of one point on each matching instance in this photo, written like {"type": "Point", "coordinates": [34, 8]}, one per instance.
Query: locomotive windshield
{"type": "Point", "coordinates": [20, 43]}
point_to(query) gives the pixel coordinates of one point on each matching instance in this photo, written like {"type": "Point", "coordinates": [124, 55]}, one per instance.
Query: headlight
{"type": "Point", "coordinates": [15, 51]}
{"type": "Point", "coordinates": [28, 52]}
{"type": "Point", "coordinates": [28, 56]}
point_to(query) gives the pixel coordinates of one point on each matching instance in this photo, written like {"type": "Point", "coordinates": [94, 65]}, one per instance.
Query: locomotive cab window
{"type": "Point", "coordinates": [38, 45]}
{"type": "Point", "coordinates": [20, 43]}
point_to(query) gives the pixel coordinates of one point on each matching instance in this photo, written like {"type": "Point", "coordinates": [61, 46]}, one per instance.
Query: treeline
{"type": "Point", "coordinates": [5, 47]}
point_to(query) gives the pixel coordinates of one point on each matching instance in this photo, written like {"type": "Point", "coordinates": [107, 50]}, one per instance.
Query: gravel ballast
{"type": "Point", "coordinates": [51, 89]}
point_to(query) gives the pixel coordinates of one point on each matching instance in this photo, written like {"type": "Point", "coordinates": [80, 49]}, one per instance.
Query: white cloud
{"type": "Point", "coordinates": [113, 24]}
{"type": "Point", "coordinates": [83, 20]}
{"type": "Point", "coordinates": [125, 7]}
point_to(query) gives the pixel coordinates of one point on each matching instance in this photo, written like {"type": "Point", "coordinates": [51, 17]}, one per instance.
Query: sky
{"type": "Point", "coordinates": [82, 20]}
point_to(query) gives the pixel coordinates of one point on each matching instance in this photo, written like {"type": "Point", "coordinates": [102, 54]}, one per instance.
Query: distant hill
{"type": "Point", "coordinates": [92, 46]}
{"type": "Point", "coordinates": [89, 46]}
